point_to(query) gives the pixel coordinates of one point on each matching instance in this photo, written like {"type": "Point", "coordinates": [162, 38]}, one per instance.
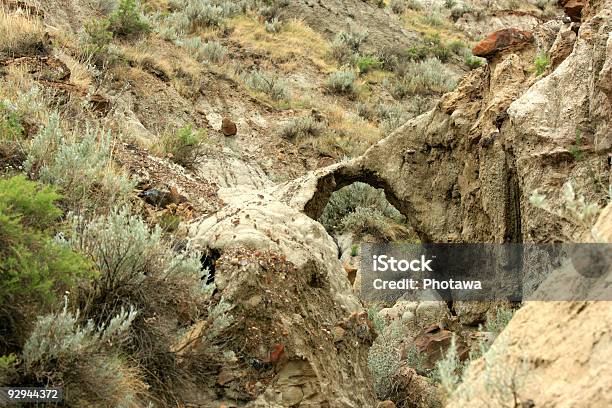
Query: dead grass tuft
{"type": "Point", "coordinates": [20, 34]}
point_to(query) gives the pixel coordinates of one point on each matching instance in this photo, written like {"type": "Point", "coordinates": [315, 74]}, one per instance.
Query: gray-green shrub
{"type": "Point", "coordinates": [84, 359]}
{"type": "Point", "coordinates": [270, 85]}
{"type": "Point", "coordinates": [342, 82]}
{"type": "Point", "coordinates": [211, 51]}
{"type": "Point", "coordinates": [384, 359]}
{"type": "Point", "coordinates": [138, 267]}
{"type": "Point", "coordinates": [362, 209]}
{"type": "Point", "coordinates": [300, 128]}
{"type": "Point", "coordinates": [425, 77]}
{"type": "Point", "coordinates": [82, 168]}
{"type": "Point", "coordinates": [273, 26]}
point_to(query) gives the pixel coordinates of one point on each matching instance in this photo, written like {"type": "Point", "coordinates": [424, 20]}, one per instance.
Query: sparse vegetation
{"type": "Point", "coordinates": [449, 369]}
{"type": "Point", "coordinates": [415, 5]}
{"type": "Point", "coordinates": [342, 82]}
{"type": "Point", "coordinates": [426, 77]}
{"type": "Point", "coordinates": [273, 26]}
{"type": "Point", "coordinates": [434, 19]}
{"type": "Point", "coordinates": [500, 320]}
{"type": "Point", "coordinates": [80, 165]}
{"type": "Point", "coordinates": [397, 6]}
{"type": "Point", "coordinates": [363, 210]}
{"type": "Point", "coordinates": [541, 63]}
{"type": "Point", "coordinates": [347, 44]}
{"type": "Point", "coordinates": [270, 85]}
{"type": "Point", "coordinates": [300, 128]}
{"type": "Point", "coordinates": [211, 51]}
{"type": "Point", "coordinates": [184, 146]}
{"type": "Point", "coordinates": [575, 207]}
{"type": "Point", "coordinates": [127, 20]}
{"type": "Point", "coordinates": [20, 34]}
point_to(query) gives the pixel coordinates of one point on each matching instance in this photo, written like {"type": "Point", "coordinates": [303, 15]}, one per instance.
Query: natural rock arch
{"type": "Point", "coordinates": [348, 174]}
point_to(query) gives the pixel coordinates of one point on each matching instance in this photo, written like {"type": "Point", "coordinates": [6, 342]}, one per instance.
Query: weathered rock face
{"type": "Point", "coordinates": [280, 271]}
{"type": "Point", "coordinates": [465, 170]}
{"type": "Point", "coordinates": [501, 40]}
{"type": "Point", "coordinates": [573, 8]}
{"type": "Point", "coordinates": [557, 351]}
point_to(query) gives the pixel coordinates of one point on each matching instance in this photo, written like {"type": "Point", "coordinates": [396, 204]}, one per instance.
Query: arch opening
{"type": "Point", "coordinates": [336, 189]}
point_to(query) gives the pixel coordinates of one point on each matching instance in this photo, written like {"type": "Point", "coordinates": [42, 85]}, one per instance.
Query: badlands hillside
{"type": "Point", "coordinates": [186, 185]}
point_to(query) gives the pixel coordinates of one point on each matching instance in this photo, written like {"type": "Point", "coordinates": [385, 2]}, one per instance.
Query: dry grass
{"type": "Point", "coordinates": [295, 42]}
{"type": "Point", "coordinates": [347, 135]}
{"type": "Point", "coordinates": [19, 33]}
{"type": "Point", "coordinates": [416, 21]}
{"type": "Point", "coordinates": [148, 56]}
{"type": "Point", "coordinates": [80, 71]}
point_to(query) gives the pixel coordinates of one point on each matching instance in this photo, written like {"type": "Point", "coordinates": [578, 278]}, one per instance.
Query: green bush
{"type": "Point", "coordinates": [474, 62]}
{"type": "Point", "coordinates": [97, 37]}
{"type": "Point", "coordinates": [184, 146]}
{"type": "Point", "coordinates": [441, 52]}
{"type": "Point", "coordinates": [457, 46]}
{"type": "Point", "coordinates": [127, 20]}
{"type": "Point", "coordinates": [12, 134]}
{"type": "Point", "coordinates": [366, 221]}
{"type": "Point", "coordinates": [82, 169]}
{"type": "Point", "coordinates": [32, 264]}
{"type": "Point", "coordinates": [367, 64]}
{"type": "Point", "coordinates": [300, 128]}
{"type": "Point", "coordinates": [542, 61]}
{"type": "Point", "coordinates": [342, 82]}
{"type": "Point", "coordinates": [417, 53]}
{"type": "Point", "coordinates": [11, 128]}
{"type": "Point", "coordinates": [384, 359]}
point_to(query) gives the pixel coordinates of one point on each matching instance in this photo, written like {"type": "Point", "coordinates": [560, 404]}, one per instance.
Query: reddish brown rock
{"type": "Point", "coordinates": [228, 127]}
{"type": "Point", "coordinates": [573, 8]}
{"type": "Point", "coordinates": [501, 40]}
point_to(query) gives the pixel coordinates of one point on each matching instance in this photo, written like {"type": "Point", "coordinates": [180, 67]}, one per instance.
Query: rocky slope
{"type": "Point", "coordinates": [462, 172]}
